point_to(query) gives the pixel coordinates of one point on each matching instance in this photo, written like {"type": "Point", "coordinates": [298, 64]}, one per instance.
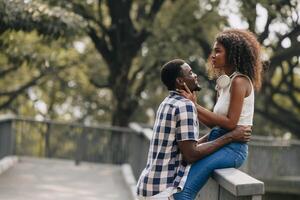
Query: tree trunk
{"type": "Point", "coordinates": [123, 109]}
{"type": "Point", "coordinates": [124, 101]}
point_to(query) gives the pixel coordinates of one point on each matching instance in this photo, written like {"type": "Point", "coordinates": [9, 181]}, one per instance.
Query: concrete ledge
{"type": "Point", "coordinates": [283, 184]}
{"type": "Point", "coordinates": [129, 179]}
{"type": "Point", "coordinates": [238, 183]}
{"type": "Point", "coordinates": [8, 162]}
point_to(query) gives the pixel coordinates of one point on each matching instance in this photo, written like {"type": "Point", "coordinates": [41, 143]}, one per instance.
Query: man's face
{"type": "Point", "coordinates": [190, 78]}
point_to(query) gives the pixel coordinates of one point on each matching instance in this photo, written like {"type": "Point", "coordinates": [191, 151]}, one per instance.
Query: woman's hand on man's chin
{"type": "Point", "coordinates": [186, 92]}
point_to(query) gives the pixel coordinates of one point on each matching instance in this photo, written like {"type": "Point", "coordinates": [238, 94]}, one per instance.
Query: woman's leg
{"type": "Point", "coordinates": [216, 133]}
{"type": "Point", "coordinates": [231, 155]}
{"type": "Point", "coordinates": [201, 171]}
{"type": "Point", "coordinates": [238, 147]}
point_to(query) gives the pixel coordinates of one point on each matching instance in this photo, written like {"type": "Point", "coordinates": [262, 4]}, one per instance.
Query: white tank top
{"type": "Point", "coordinates": [222, 105]}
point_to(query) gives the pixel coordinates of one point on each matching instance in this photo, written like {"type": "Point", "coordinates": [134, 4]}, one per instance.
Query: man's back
{"type": "Point", "coordinates": [176, 120]}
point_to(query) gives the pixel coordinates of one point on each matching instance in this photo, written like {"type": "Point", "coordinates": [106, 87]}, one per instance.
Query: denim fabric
{"type": "Point", "coordinates": [231, 155]}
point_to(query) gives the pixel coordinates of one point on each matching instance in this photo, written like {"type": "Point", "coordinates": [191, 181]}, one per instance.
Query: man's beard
{"type": "Point", "coordinates": [197, 87]}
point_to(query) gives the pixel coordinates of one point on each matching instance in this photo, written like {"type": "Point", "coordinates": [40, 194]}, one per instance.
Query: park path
{"type": "Point", "coordinates": [55, 179]}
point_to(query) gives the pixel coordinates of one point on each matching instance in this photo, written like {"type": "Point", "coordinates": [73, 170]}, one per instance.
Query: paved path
{"type": "Point", "coordinates": [54, 179]}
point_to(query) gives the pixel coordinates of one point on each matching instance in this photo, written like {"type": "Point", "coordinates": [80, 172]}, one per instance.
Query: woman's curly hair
{"type": "Point", "coordinates": [243, 52]}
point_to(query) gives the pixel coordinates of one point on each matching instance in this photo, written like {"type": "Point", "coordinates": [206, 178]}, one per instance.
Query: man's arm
{"type": "Point", "coordinates": [203, 139]}
{"type": "Point", "coordinates": [193, 151]}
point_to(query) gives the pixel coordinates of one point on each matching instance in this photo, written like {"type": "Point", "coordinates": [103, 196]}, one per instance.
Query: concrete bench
{"type": "Point", "coordinates": [229, 184]}
{"type": "Point", "coordinates": [226, 184]}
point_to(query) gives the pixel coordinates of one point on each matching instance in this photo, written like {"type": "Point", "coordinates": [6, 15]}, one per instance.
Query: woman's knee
{"type": "Point", "coordinates": [216, 133]}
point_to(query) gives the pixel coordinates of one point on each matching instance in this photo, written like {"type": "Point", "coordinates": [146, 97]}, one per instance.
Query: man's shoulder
{"type": "Point", "coordinates": [182, 101]}
{"type": "Point", "coordinates": [179, 102]}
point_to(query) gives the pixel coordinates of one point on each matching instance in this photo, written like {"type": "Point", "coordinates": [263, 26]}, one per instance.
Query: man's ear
{"type": "Point", "coordinates": [179, 81]}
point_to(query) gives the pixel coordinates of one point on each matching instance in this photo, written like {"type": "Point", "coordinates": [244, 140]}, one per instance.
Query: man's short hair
{"type": "Point", "coordinates": [170, 71]}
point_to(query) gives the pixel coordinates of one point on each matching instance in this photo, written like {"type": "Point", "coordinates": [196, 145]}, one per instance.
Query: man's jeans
{"type": "Point", "coordinates": [231, 155]}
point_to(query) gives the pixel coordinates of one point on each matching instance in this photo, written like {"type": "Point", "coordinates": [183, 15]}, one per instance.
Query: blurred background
{"type": "Point", "coordinates": [74, 69]}
{"type": "Point", "coordinates": [94, 62]}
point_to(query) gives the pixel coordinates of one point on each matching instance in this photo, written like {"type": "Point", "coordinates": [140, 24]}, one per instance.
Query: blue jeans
{"type": "Point", "coordinates": [231, 155]}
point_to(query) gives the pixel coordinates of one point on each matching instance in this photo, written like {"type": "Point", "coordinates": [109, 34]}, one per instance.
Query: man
{"type": "Point", "coordinates": [175, 144]}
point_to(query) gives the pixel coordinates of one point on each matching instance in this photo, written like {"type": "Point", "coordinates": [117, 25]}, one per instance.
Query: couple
{"type": "Point", "coordinates": [179, 162]}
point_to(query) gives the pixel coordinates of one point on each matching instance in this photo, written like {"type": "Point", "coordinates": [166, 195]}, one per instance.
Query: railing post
{"type": "Point", "coordinates": [81, 146]}
{"type": "Point", "coordinates": [7, 138]}
{"type": "Point", "coordinates": [47, 140]}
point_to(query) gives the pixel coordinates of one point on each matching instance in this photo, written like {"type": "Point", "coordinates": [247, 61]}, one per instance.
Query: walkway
{"type": "Point", "coordinates": [54, 179]}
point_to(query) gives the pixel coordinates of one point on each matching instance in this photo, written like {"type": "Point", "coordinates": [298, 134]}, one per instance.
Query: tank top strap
{"type": "Point", "coordinates": [235, 74]}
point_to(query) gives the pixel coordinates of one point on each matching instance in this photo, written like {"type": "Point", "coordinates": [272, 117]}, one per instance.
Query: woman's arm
{"type": "Point", "coordinates": [203, 139]}
{"type": "Point", "coordinates": [240, 88]}
{"type": "Point", "coordinates": [193, 151]}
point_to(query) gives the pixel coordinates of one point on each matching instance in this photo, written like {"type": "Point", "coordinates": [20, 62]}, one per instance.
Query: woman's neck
{"type": "Point", "coordinates": [229, 71]}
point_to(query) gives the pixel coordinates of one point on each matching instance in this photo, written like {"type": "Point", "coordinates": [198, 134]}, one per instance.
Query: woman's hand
{"type": "Point", "coordinates": [188, 94]}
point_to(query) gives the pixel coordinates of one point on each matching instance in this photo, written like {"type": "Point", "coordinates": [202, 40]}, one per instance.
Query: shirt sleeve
{"type": "Point", "coordinates": [187, 126]}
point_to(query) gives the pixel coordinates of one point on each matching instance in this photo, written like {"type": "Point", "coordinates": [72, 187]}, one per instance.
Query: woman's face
{"type": "Point", "coordinates": [218, 56]}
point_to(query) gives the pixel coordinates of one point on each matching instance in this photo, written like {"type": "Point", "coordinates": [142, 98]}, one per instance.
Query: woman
{"type": "Point", "coordinates": [235, 55]}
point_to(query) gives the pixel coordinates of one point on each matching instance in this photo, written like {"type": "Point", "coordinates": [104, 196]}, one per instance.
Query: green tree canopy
{"type": "Point", "coordinates": [126, 43]}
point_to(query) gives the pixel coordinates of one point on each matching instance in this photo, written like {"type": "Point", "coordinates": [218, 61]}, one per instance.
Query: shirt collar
{"type": "Point", "coordinates": [173, 92]}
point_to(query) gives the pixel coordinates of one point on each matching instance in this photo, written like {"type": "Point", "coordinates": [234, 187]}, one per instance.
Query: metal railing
{"type": "Point", "coordinates": [23, 136]}
{"type": "Point", "coordinates": [118, 145]}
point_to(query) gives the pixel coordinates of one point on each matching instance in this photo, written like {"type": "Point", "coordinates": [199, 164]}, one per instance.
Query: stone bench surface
{"type": "Point", "coordinates": [238, 183]}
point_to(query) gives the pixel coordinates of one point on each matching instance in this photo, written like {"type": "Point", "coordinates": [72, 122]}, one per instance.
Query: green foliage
{"type": "Point", "coordinates": [180, 31]}
{"type": "Point", "coordinates": [33, 15]}
{"type": "Point", "coordinates": [63, 93]}
{"type": "Point", "coordinates": [115, 77]}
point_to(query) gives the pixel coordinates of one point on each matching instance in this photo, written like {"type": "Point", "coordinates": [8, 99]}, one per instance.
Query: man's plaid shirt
{"type": "Point", "coordinates": [176, 120]}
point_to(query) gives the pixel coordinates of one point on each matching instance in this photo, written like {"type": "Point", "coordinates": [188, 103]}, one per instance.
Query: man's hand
{"type": "Point", "coordinates": [241, 134]}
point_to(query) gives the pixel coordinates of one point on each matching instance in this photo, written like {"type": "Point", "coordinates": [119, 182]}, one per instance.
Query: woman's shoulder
{"type": "Point", "coordinates": [241, 81]}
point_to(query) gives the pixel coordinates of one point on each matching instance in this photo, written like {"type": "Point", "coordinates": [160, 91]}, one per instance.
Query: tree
{"type": "Point", "coordinates": [117, 36]}
{"type": "Point", "coordinates": [46, 84]}
{"type": "Point", "coordinates": [135, 37]}
{"type": "Point", "coordinates": [117, 28]}
{"type": "Point", "coordinates": [280, 96]}
{"type": "Point", "coordinates": [22, 67]}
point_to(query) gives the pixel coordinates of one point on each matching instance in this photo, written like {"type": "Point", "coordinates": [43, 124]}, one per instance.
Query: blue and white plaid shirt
{"type": "Point", "coordinates": [176, 120]}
